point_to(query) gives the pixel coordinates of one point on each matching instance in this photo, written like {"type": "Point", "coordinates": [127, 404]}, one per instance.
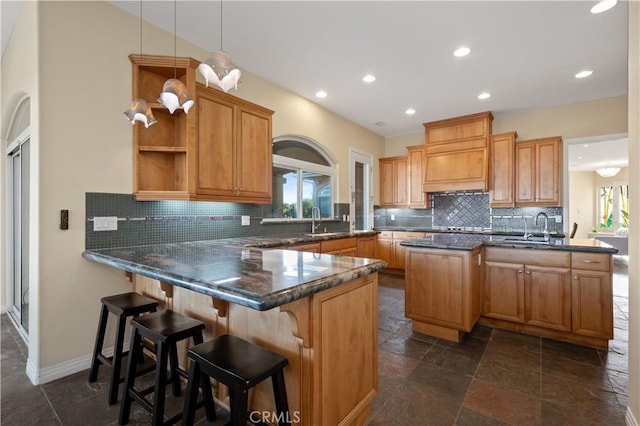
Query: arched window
{"type": "Point", "coordinates": [302, 178]}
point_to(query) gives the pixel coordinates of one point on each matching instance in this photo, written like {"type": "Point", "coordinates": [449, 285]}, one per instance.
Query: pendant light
{"type": "Point", "coordinates": [174, 93]}
{"type": "Point", "coordinates": [219, 69]}
{"type": "Point", "coordinates": [139, 110]}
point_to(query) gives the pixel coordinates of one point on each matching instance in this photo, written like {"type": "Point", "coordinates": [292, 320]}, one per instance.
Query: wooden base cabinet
{"type": "Point", "coordinates": [443, 290]}
{"type": "Point", "coordinates": [592, 295]}
{"type": "Point", "coordinates": [366, 247]}
{"type": "Point", "coordinates": [557, 294]}
{"type": "Point", "coordinates": [388, 248]}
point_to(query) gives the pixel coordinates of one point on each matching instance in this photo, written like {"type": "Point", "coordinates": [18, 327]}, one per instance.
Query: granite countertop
{"type": "Point", "coordinates": [230, 270]}
{"type": "Point", "coordinates": [288, 240]}
{"type": "Point", "coordinates": [471, 241]}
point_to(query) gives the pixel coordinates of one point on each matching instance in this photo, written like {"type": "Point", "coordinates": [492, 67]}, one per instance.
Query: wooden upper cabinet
{"type": "Point", "coordinates": [163, 151]}
{"type": "Point", "coordinates": [394, 179]}
{"type": "Point", "coordinates": [501, 170]}
{"type": "Point", "coordinates": [457, 153]}
{"type": "Point", "coordinates": [234, 148]}
{"type": "Point", "coordinates": [418, 199]}
{"type": "Point", "coordinates": [538, 172]}
{"type": "Point", "coordinates": [219, 151]}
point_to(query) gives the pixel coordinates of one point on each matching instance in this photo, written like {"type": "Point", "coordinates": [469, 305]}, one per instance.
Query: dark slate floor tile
{"type": "Point", "coordinates": [530, 343]}
{"type": "Point", "coordinates": [571, 351]}
{"type": "Point", "coordinates": [619, 381]}
{"type": "Point", "coordinates": [406, 346]}
{"type": "Point", "coordinates": [468, 417]}
{"type": "Point", "coordinates": [393, 366]}
{"type": "Point", "coordinates": [516, 355]}
{"type": "Point", "coordinates": [451, 384]}
{"type": "Point", "coordinates": [582, 415]}
{"type": "Point", "coordinates": [587, 374]}
{"type": "Point", "coordinates": [29, 407]}
{"type": "Point", "coordinates": [413, 405]}
{"type": "Point", "coordinates": [571, 394]}
{"type": "Point", "coordinates": [505, 405]}
{"type": "Point", "coordinates": [496, 370]}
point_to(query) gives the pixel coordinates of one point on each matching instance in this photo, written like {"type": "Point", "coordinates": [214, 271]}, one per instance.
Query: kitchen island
{"type": "Point", "coordinates": [318, 310]}
{"type": "Point", "coordinates": [561, 290]}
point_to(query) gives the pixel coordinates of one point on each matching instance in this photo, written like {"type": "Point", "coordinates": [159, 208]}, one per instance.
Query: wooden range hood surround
{"type": "Point", "coordinates": [457, 153]}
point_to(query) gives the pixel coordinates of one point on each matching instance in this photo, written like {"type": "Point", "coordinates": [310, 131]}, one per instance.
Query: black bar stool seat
{"type": "Point", "coordinates": [123, 306]}
{"type": "Point", "coordinates": [164, 329]}
{"type": "Point", "coordinates": [239, 365]}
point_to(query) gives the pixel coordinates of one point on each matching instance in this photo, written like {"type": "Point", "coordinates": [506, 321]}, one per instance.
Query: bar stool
{"type": "Point", "coordinates": [240, 365]}
{"type": "Point", "coordinates": [164, 329]}
{"type": "Point", "coordinates": [123, 306]}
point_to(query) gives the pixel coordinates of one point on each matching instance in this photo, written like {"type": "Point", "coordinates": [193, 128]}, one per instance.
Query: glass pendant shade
{"type": "Point", "coordinates": [220, 70]}
{"type": "Point", "coordinates": [175, 96]}
{"type": "Point", "coordinates": [140, 111]}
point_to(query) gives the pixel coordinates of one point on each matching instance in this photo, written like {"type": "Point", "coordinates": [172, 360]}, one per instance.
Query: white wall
{"type": "Point", "coordinates": [582, 202]}
{"type": "Point", "coordinates": [633, 411]}
{"type": "Point", "coordinates": [86, 146]}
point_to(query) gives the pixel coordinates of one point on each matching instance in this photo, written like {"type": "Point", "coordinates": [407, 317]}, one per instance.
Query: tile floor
{"type": "Point", "coordinates": [493, 377]}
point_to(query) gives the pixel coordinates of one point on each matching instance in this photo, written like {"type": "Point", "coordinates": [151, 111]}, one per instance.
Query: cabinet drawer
{"type": "Point", "coordinates": [337, 245]}
{"type": "Point", "coordinates": [385, 235]}
{"type": "Point", "coordinates": [551, 258]}
{"type": "Point", "coordinates": [401, 235]}
{"type": "Point", "coordinates": [591, 261]}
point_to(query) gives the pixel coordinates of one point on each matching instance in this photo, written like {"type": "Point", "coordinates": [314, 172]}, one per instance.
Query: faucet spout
{"type": "Point", "coordinates": [314, 209]}
{"type": "Point", "coordinates": [546, 224]}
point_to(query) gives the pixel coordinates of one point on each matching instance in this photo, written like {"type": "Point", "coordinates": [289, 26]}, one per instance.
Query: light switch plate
{"type": "Point", "coordinates": [105, 223]}
{"type": "Point", "coordinates": [246, 220]}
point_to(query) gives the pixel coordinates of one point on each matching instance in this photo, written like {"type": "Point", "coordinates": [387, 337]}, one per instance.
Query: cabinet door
{"type": "Point", "coordinates": [254, 158]}
{"type": "Point", "coordinates": [384, 251]}
{"type": "Point", "coordinates": [547, 298]}
{"type": "Point", "coordinates": [437, 287]}
{"type": "Point", "coordinates": [501, 170]}
{"type": "Point", "coordinates": [525, 173]}
{"type": "Point", "coordinates": [393, 182]}
{"type": "Point", "coordinates": [504, 291]}
{"type": "Point", "coordinates": [592, 303]}
{"type": "Point", "coordinates": [417, 198]}
{"type": "Point", "coordinates": [216, 148]}
{"type": "Point", "coordinates": [366, 247]}
{"type": "Point", "coordinates": [399, 253]}
{"type": "Point", "coordinates": [548, 158]}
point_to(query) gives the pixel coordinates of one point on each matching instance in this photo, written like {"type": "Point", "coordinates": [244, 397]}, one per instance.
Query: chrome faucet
{"type": "Point", "coordinates": [314, 209]}
{"type": "Point", "coordinates": [546, 224]}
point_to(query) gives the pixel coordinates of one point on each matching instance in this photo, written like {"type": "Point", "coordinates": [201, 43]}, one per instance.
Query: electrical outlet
{"type": "Point", "coordinates": [106, 223]}
{"type": "Point", "coordinates": [246, 221]}
{"type": "Point", "coordinates": [393, 217]}
{"type": "Point", "coordinates": [559, 218]}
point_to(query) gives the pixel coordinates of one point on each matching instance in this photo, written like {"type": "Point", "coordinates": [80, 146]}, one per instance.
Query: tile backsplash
{"type": "Point", "coordinates": [469, 211]}
{"type": "Point", "coordinates": [158, 222]}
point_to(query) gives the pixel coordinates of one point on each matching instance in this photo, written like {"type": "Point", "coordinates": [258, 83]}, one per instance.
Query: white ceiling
{"type": "Point", "coordinates": [525, 53]}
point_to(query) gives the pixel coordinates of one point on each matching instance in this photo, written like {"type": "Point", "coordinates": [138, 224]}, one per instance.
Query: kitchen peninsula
{"type": "Point", "coordinates": [318, 310]}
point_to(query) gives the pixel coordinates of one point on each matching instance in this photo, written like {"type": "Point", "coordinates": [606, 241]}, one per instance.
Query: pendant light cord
{"type": "Point", "coordinates": [220, 25]}
{"type": "Point", "coordinates": [175, 37]}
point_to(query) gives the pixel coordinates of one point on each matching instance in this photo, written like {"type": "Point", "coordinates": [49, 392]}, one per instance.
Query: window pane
{"type": "Point", "coordinates": [605, 207]}
{"type": "Point", "coordinates": [623, 218]}
{"type": "Point", "coordinates": [316, 191]}
{"type": "Point", "coordinates": [299, 151]}
{"type": "Point", "coordinates": [285, 193]}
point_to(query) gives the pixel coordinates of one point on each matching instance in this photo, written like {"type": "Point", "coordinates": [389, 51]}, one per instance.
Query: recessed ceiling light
{"type": "Point", "coordinates": [369, 78]}
{"type": "Point", "coordinates": [462, 51]}
{"type": "Point", "coordinates": [484, 95]}
{"type": "Point", "coordinates": [603, 6]}
{"type": "Point", "coordinates": [579, 157]}
{"type": "Point", "coordinates": [321, 94]}
{"type": "Point", "coordinates": [583, 74]}
{"type": "Point", "coordinates": [410, 111]}
{"type": "Point", "coordinates": [586, 145]}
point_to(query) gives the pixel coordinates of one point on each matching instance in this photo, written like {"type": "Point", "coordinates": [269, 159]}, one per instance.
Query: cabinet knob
{"type": "Point", "coordinates": [528, 272]}
{"type": "Point", "coordinates": [575, 277]}
{"type": "Point", "coordinates": [519, 271]}
{"type": "Point", "coordinates": [590, 261]}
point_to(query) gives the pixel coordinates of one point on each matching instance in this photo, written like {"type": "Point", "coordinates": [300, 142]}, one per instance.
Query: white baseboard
{"type": "Point", "coordinates": [630, 419]}
{"type": "Point", "coordinates": [63, 369]}
{"type": "Point", "coordinates": [4, 309]}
